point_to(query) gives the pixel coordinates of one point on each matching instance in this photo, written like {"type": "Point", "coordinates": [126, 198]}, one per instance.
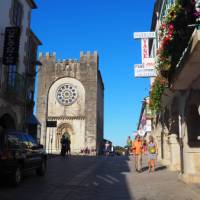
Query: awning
{"type": "Point", "coordinates": [32, 120]}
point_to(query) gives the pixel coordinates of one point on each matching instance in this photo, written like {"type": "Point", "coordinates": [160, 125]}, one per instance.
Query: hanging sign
{"type": "Point", "coordinates": [145, 49]}
{"type": "Point", "coordinates": [148, 62]}
{"type": "Point", "coordinates": [140, 35]}
{"type": "Point", "coordinates": [11, 45]}
{"type": "Point", "coordinates": [141, 71]}
{"type": "Point", "coordinates": [51, 123]}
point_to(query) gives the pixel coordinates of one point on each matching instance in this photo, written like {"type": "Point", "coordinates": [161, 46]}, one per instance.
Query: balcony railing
{"type": "Point", "coordinates": [14, 84]}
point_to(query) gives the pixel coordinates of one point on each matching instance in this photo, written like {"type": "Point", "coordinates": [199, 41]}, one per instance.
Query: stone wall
{"type": "Point", "coordinates": [89, 105]}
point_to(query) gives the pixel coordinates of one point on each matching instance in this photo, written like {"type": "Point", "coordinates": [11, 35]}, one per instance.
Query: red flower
{"type": "Point", "coordinates": [171, 27]}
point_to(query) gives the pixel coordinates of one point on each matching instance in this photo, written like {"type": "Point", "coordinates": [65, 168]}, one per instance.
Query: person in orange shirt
{"type": "Point", "coordinates": [137, 150]}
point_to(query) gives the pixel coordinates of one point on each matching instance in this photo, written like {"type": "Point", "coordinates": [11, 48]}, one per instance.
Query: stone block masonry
{"type": "Point", "coordinates": [71, 92]}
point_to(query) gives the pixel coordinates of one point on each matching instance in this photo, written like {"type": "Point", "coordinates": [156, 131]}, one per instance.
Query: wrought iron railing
{"type": "Point", "coordinates": [14, 84]}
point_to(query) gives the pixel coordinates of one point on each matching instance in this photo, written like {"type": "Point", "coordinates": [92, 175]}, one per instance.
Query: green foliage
{"type": "Point", "coordinates": [119, 150]}
{"type": "Point", "coordinates": [156, 93]}
{"type": "Point", "coordinates": [174, 35]}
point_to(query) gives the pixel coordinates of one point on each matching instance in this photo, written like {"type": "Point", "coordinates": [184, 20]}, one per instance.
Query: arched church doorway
{"type": "Point", "coordinates": [7, 122]}
{"type": "Point", "coordinates": [66, 130]}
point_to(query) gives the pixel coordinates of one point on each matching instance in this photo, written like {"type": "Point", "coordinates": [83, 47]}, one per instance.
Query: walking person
{"type": "Point", "coordinates": [107, 148]}
{"type": "Point", "coordinates": [144, 147]}
{"type": "Point", "coordinates": [129, 145]}
{"type": "Point", "coordinates": [152, 154]}
{"type": "Point", "coordinates": [63, 142]}
{"type": "Point", "coordinates": [68, 146]}
{"type": "Point", "coordinates": [137, 149]}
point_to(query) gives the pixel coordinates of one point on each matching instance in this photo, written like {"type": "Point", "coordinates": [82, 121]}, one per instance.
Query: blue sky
{"type": "Point", "coordinates": [70, 26]}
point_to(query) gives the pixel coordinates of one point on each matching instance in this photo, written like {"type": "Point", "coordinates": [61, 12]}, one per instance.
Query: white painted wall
{"type": "Point", "coordinates": [5, 6]}
{"type": "Point", "coordinates": [76, 109]}
{"type": "Point", "coordinates": [55, 109]}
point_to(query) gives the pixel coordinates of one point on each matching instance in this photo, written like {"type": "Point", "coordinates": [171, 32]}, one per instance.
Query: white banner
{"type": "Point", "coordinates": [148, 126]}
{"type": "Point", "coordinates": [149, 62]}
{"type": "Point", "coordinates": [145, 49]}
{"type": "Point", "coordinates": [140, 35]}
{"type": "Point", "coordinates": [141, 71]}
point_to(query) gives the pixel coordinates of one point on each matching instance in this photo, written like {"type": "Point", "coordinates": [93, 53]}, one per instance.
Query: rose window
{"type": "Point", "coordinates": [67, 94]}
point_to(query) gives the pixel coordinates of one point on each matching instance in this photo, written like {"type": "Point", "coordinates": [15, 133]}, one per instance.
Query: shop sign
{"type": "Point", "coordinates": [148, 126]}
{"type": "Point", "coordinates": [145, 49]}
{"type": "Point", "coordinates": [11, 45]}
{"type": "Point", "coordinates": [149, 62]}
{"type": "Point", "coordinates": [141, 71]}
{"type": "Point", "coordinates": [147, 35]}
{"type": "Point", "coordinates": [51, 124]}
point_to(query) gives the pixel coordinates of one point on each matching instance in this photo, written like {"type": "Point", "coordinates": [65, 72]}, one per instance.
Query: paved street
{"type": "Point", "coordinates": [80, 177]}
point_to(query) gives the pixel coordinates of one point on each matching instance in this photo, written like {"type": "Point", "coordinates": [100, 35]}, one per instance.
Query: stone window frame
{"type": "Point", "coordinates": [31, 52]}
{"type": "Point", "coordinates": [69, 88]}
{"type": "Point", "coordinates": [17, 13]}
{"type": "Point", "coordinates": [16, 16]}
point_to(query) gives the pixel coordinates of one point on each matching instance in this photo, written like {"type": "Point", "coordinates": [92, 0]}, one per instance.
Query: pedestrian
{"type": "Point", "coordinates": [152, 154]}
{"type": "Point", "coordinates": [68, 146]}
{"type": "Point", "coordinates": [129, 145]}
{"type": "Point", "coordinates": [63, 142]}
{"type": "Point", "coordinates": [107, 148]}
{"type": "Point", "coordinates": [137, 150]}
{"type": "Point", "coordinates": [144, 147]}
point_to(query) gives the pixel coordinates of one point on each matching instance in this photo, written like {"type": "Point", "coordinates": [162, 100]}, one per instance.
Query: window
{"type": "Point", "coordinates": [32, 142]}
{"type": "Point", "coordinates": [24, 140]}
{"type": "Point", "coordinates": [31, 53]}
{"type": "Point", "coordinates": [30, 95]}
{"type": "Point", "coordinates": [11, 75]}
{"type": "Point", "coordinates": [13, 141]}
{"type": "Point", "coordinates": [17, 13]}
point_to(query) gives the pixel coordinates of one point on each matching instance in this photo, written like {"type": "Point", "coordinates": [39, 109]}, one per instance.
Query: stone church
{"type": "Point", "coordinates": [70, 99]}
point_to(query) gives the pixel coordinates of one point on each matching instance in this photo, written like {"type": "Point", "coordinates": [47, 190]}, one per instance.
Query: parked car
{"type": "Point", "coordinates": [19, 152]}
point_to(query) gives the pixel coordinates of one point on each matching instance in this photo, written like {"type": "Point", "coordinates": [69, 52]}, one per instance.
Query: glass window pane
{"type": "Point", "coordinates": [32, 142]}
{"type": "Point", "coordinates": [13, 140]}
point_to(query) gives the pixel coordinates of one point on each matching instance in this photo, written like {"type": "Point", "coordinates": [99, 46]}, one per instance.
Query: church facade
{"type": "Point", "coordinates": [71, 97]}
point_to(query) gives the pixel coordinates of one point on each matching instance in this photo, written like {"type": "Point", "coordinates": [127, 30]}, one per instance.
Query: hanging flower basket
{"type": "Point", "coordinates": [156, 93]}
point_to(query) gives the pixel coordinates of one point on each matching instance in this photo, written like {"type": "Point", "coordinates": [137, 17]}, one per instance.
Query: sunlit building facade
{"type": "Point", "coordinates": [175, 92]}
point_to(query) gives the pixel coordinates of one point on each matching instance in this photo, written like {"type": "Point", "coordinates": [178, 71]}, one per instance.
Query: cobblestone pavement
{"type": "Point", "coordinates": [102, 178]}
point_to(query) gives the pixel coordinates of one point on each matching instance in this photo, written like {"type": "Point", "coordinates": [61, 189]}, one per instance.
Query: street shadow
{"type": "Point", "coordinates": [145, 168]}
{"type": "Point", "coordinates": [109, 180]}
{"type": "Point", "coordinates": [75, 177]}
{"type": "Point", "coordinates": [160, 168]}
{"type": "Point", "coordinates": [156, 168]}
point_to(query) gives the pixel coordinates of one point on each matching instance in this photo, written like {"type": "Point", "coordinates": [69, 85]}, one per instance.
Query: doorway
{"type": "Point", "coordinates": [7, 122]}
{"type": "Point", "coordinates": [63, 129]}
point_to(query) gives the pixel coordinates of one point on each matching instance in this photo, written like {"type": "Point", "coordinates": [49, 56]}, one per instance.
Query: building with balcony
{"type": "Point", "coordinates": [175, 93]}
{"type": "Point", "coordinates": [18, 53]}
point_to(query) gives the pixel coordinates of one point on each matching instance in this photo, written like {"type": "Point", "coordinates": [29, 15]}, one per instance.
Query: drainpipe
{"type": "Point", "coordinates": [181, 143]}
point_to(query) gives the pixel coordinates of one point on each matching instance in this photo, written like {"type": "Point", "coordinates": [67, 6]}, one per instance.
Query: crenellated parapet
{"type": "Point", "coordinates": [84, 58]}
{"type": "Point", "coordinates": [47, 56]}
{"type": "Point", "coordinates": [89, 58]}
{"type": "Point", "coordinates": [68, 67]}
